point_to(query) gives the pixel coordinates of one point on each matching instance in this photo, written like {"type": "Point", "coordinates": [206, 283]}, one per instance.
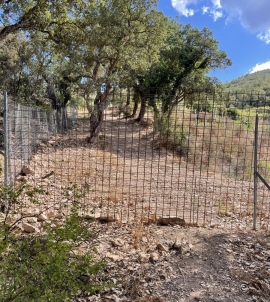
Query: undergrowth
{"type": "Point", "coordinates": [47, 266]}
{"type": "Point", "coordinates": [225, 145]}
{"type": "Point", "coordinates": [171, 135]}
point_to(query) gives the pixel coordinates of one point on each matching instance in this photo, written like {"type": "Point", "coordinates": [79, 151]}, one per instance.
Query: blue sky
{"type": "Point", "coordinates": [242, 28]}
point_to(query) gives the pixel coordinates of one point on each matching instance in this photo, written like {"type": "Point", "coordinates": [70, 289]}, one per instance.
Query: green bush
{"type": "Point", "coordinates": [49, 266]}
{"type": "Point", "coordinates": [170, 135]}
{"type": "Point", "coordinates": [76, 101]}
{"type": "Point", "coordinates": [233, 113]}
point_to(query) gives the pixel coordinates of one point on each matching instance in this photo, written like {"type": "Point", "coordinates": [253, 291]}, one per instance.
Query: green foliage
{"type": "Point", "coordinates": [170, 135]}
{"type": "Point", "coordinates": [50, 266]}
{"type": "Point", "coordinates": [76, 101]}
{"type": "Point", "coordinates": [186, 57]}
{"type": "Point", "coordinates": [55, 19]}
{"type": "Point", "coordinates": [233, 113]}
{"type": "Point", "coordinates": [259, 82]}
{"type": "Point", "coordinates": [73, 42]}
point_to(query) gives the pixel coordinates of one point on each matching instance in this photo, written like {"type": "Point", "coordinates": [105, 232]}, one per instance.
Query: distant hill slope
{"type": "Point", "coordinates": [258, 82]}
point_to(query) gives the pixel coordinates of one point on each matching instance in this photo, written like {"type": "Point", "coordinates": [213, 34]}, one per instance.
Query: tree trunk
{"type": "Point", "coordinates": [88, 104]}
{"type": "Point", "coordinates": [97, 114]}
{"type": "Point", "coordinates": [142, 110]}
{"type": "Point", "coordinates": [135, 108]}
{"type": "Point", "coordinates": [55, 101]}
{"type": "Point", "coordinates": [128, 97]}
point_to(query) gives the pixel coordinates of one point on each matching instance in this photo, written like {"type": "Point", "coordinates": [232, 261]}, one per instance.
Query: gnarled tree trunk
{"type": "Point", "coordinates": [143, 108]}
{"type": "Point", "coordinates": [97, 114]}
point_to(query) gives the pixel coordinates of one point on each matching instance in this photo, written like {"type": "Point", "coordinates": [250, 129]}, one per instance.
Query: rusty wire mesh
{"type": "Point", "coordinates": [195, 163]}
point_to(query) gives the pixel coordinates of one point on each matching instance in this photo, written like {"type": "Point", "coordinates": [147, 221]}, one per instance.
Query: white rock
{"type": "Point", "coordinates": [144, 239]}
{"type": "Point", "coordinates": [178, 245]}
{"type": "Point", "coordinates": [51, 142]}
{"type": "Point", "coordinates": [154, 257]}
{"type": "Point", "coordinates": [117, 242]}
{"type": "Point", "coordinates": [112, 257]}
{"type": "Point", "coordinates": [143, 257]}
{"type": "Point", "coordinates": [42, 217]}
{"type": "Point", "coordinates": [101, 248]}
{"type": "Point", "coordinates": [32, 219]}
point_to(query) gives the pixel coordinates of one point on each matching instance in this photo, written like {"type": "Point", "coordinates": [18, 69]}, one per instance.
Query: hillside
{"type": "Point", "coordinates": [257, 82]}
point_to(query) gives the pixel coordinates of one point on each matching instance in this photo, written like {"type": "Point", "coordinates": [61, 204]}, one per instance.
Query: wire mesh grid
{"type": "Point", "coordinates": [195, 162]}
{"type": "Point", "coordinates": [29, 126]}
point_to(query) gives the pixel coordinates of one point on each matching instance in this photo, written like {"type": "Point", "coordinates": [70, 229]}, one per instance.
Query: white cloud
{"type": "Point", "coordinates": [265, 36]}
{"type": "Point", "coordinates": [216, 14]}
{"type": "Point", "coordinates": [252, 14]}
{"type": "Point", "coordinates": [205, 9]}
{"type": "Point", "coordinates": [181, 7]}
{"type": "Point", "coordinates": [216, 3]}
{"type": "Point", "coordinates": [259, 67]}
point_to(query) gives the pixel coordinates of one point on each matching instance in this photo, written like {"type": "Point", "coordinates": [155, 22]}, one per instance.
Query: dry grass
{"type": "Point", "coordinates": [220, 146]}
{"type": "Point", "coordinates": [115, 196]}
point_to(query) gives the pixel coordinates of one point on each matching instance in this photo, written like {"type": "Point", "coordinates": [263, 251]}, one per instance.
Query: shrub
{"type": "Point", "coordinates": [76, 101]}
{"type": "Point", "coordinates": [171, 136]}
{"type": "Point", "coordinates": [49, 266]}
{"type": "Point", "coordinates": [233, 113]}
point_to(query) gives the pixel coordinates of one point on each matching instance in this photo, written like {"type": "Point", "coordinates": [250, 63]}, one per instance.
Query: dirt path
{"type": "Point", "coordinates": [176, 264]}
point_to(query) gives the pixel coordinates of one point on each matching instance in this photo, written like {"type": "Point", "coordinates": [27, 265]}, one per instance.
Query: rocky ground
{"type": "Point", "coordinates": [174, 264]}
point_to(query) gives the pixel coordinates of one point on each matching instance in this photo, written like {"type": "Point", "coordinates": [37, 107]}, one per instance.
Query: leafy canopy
{"type": "Point", "coordinates": [77, 41]}
{"type": "Point", "coordinates": [186, 57]}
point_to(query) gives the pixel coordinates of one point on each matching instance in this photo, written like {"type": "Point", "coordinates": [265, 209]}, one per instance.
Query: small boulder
{"type": "Point", "coordinates": [26, 171]}
{"type": "Point", "coordinates": [117, 242]}
{"type": "Point", "coordinates": [154, 257]}
{"type": "Point", "coordinates": [143, 257]}
{"type": "Point", "coordinates": [112, 257]}
{"type": "Point", "coordinates": [42, 217]}
{"type": "Point", "coordinates": [171, 221]}
{"type": "Point", "coordinates": [50, 215]}
{"type": "Point", "coordinates": [32, 219]}
{"type": "Point", "coordinates": [162, 248]}
{"type": "Point", "coordinates": [28, 228]}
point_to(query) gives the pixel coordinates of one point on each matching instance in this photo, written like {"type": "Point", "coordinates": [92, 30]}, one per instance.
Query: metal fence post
{"type": "Point", "coordinates": [255, 170]}
{"type": "Point", "coordinates": [6, 147]}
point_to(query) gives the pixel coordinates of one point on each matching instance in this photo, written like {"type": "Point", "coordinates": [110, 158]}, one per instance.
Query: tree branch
{"type": "Point", "coordinates": [24, 23]}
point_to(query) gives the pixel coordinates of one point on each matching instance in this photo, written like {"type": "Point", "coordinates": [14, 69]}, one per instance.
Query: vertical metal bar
{"type": "Point", "coordinates": [6, 147]}
{"type": "Point", "coordinates": [255, 171]}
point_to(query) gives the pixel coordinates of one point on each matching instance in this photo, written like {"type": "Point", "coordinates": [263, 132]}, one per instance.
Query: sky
{"type": "Point", "coordinates": [242, 28]}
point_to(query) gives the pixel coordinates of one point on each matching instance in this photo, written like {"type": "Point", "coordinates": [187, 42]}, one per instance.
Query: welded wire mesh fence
{"type": "Point", "coordinates": [192, 159]}
{"type": "Point", "coordinates": [27, 127]}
